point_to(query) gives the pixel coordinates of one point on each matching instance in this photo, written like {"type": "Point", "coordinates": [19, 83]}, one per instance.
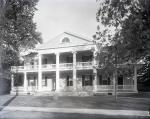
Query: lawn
{"type": "Point", "coordinates": [91, 102]}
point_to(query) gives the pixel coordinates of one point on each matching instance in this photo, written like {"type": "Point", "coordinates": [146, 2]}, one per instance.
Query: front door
{"type": "Point", "coordinates": [120, 80]}
{"type": "Point", "coordinates": [32, 84]}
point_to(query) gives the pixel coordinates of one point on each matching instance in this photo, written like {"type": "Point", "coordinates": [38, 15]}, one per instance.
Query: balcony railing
{"type": "Point", "coordinates": [49, 66]}
{"type": "Point", "coordinates": [83, 65]}
{"type": "Point", "coordinates": [17, 68]}
{"type": "Point", "coordinates": [66, 65]}
{"type": "Point", "coordinates": [80, 65]}
{"type": "Point", "coordinates": [22, 68]}
{"type": "Point", "coordinates": [31, 67]}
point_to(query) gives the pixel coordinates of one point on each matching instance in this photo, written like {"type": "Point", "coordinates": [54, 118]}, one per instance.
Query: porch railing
{"type": "Point", "coordinates": [84, 64]}
{"type": "Point", "coordinates": [125, 87]}
{"type": "Point", "coordinates": [49, 66]}
{"type": "Point", "coordinates": [105, 87]}
{"type": "Point", "coordinates": [32, 88]}
{"type": "Point", "coordinates": [119, 87]}
{"type": "Point", "coordinates": [66, 65]}
{"type": "Point", "coordinates": [17, 88]}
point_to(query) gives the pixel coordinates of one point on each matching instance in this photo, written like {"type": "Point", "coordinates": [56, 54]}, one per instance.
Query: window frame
{"type": "Point", "coordinates": [44, 81]}
{"type": "Point", "coordinates": [87, 80]}
{"type": "Point", "coordinates": [69, 81]}
{"type": "Point", "coordinates": [65, 40]}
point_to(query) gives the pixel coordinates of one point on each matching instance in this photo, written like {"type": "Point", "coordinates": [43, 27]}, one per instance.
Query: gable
{"type": "Point", "coordinates": [65, 39]}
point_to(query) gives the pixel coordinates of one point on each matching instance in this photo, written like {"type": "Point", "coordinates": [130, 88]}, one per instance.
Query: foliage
{"type": "Point", "coordinates": [144, 72]}
{"type": "Point", "coordinates": [130, 22]}
{"type": "Point", "coordinates": [126, 29]}
{"type": "Point", "coordinates": [17, 29]}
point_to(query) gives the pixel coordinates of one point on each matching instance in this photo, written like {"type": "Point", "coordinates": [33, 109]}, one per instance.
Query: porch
{"type": "Point", "coordinates": [28, 83]}
{"type": "Point", "coordinates": [77, 81]}
{"type": "Point", "coordinates": [65, 60]}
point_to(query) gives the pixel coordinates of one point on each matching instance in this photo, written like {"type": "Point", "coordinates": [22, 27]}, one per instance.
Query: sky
{"type": "Point", "coordinates": [54, 17]}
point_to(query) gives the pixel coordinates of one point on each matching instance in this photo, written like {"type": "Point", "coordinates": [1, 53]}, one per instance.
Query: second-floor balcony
{"type": "Point", "coordinates": [84, 65]}
{"type": "Point", "coordinates": [49, 66]}
{"type": "Point", "coordinates": [24, 68]}
{"type": "Point", "coordinates": [62, 66]}
{"type": "Point", "coordinates": [66, 65]}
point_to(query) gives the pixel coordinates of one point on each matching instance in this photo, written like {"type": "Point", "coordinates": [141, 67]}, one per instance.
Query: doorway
{"type": "Point", "coordinates": [120, 80]}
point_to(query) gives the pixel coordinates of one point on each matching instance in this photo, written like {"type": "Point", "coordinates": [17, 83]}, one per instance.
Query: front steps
{"type": "Point", "coordinates": [52, 93]}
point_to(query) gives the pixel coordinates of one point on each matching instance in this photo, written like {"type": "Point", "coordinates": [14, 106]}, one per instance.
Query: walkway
{"type": "Point", "coordinates": [79, 111]}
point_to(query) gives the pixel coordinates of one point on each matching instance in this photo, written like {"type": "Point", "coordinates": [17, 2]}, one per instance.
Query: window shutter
{"type": "Point", "coordinates": [83, 80]}
{"type": "Point", "coordinates": [100, 79]}
{"type": "Point", "coordinates": [68, 81]}
{"type": "Point", "coordinates": [91, 80]}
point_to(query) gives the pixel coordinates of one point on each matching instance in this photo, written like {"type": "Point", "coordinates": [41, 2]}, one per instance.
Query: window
{"type": "Point", "coordinates": [86, 58]}
{"type": "Point", "coordinates": [100, 80]}
{"type": "Point", "coordinates": [32, 62]}
{"type": "Point", "coordinates": [65, 40]}
{"type": "Point", "coordinates": [87, 80]}
{"type": "Point", "coordinates": [44, 81]}
{"type": "Point", "coordinates": [69, 59]}
{"type": "Point", "coordinates": [120, 80]}
{"type": "Point", "coordinates": [69, 81]}
{"type": "Point", "coordinates": [104, 81]}
{"type": "Point", "coordinates": [32, 81]}
{"type": "Point", "coordinates": [45, 61]}
{"type": "Point", "coordinates": [18, 80]}
{"type": "Point", "coordinates": [28, 81]}
{"type": "Point", "coordinates": [83, 80]}
{"type": "Point", "coordinates": [108, 80]}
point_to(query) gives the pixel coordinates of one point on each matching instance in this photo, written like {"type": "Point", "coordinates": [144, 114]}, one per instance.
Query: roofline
{"type": "Point", "coordinates": [69, 33]}
{"type": "Point", "coordinates": [64, 47]}
{"type": "Point", "coordinates": [78, 36]}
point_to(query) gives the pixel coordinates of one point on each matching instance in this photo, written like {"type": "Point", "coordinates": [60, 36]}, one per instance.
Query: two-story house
{"type": "Point", "coordinates": [66, 65]}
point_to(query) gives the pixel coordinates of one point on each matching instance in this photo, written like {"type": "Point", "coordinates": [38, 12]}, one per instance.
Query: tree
{"type": "Point", "coordinates": [2, 3]}
{"type": "Point", "coordinates": [130, 22]}
{"type": "Point", "coordinates": [17, 29]}
{"type": "Point", "coordinates": [126, 28]}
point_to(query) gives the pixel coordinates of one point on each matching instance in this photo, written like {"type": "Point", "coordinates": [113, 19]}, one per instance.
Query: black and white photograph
{"type": "Point", "coordinates": [74, 59]}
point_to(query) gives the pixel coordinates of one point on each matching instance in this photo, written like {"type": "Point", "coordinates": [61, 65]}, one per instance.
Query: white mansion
{"type": "Point", "coordinates": [66, 65]}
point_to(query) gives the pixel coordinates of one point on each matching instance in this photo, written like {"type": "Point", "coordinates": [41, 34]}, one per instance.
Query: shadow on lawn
{"type": "Point", "coordinates": [8, 101]}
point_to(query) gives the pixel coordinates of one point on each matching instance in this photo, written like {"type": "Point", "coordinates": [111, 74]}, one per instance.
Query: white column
{"type": "Point", "coordinates": [74, 71]}
{"type": "Point", "coordinates": [40, 73]}
{"type": "Point", "coordinates": [135, 78]}
{"type": "Point", "coordinates": [57, 72]}
{"type": "Point", "coordinates": [25, 81]}
{"type": "Point", "coordinates": [94, 59]}
{"type": "Point", "coordinates": [12, 81]}
{"type": "Point", "coordinates": [94, 72]}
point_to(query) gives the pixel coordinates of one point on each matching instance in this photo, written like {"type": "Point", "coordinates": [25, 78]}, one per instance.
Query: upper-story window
{"type": "Point", "coordinates": [65, 40]}
{"type": "Point", "coordinates": [32, 62]}
{"type": "Point", "coordinates": [86, 58]}
{"type": "Point", "coordinates": [45, 61]}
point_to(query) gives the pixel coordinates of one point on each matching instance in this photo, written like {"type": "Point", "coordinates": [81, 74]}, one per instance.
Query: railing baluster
{"type": "Point", "coordinates": [84, 64]}
{"type": "Point", "coordinates": [53, 66]}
